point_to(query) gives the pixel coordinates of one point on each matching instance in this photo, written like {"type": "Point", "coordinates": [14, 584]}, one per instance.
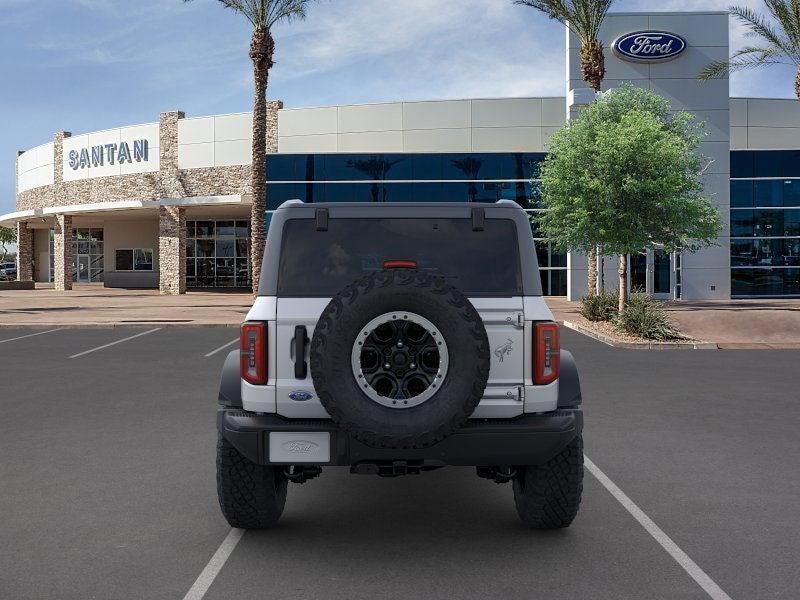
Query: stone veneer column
{"type": "Point", "coordinates": [171, 219]}
{"type": "Point", "coordinates": [171, 185]}
{"type": "Point", "coordinates": [24, 252]}
{"type": "Point", "coordinates": [62, 249]}
{"type": "Point", "coordinates": [273, 106]}
{"type": "Point", "coordinates": [60, 196]}
{"type": "Point", "coordinates": [171, 250]}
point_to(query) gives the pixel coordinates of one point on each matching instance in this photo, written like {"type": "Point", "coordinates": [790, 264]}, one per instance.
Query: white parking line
{"type": "Point", "coordinates": [213, 352]}
{"type": "Point", "coordinates": [688, 565]}
{"type": "Point", "coordinates": [22, 337]}
{"type": "Point", "coordinates": [214, 566]}
{"type": "Point", "coordinates": [115, 343]}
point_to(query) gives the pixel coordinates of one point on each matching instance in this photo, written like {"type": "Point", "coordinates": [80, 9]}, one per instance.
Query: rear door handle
{"type": "Point", "coordinates": [300, 341]}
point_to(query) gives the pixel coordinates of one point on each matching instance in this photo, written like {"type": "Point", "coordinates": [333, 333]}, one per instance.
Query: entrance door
{"type": "Point", "coordinates": [650, 272]}
{"type": "Point", "coordinates": [83, 268]}
{"type": "Point", "coordinates": [638, 269]}
{"type": "Point", "coordinates": [662, 270]}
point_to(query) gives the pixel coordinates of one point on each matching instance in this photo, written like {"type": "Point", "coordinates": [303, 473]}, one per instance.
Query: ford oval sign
{"type": "Point", "coordinates": [301, 396]}
{"type": "Point", "coordinates": [649, 46]}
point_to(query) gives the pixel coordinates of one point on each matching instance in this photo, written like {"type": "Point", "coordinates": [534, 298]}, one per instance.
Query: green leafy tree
{"type": "Point", "coordinates": [778, 40]}
{"type": "Point", "coordinates": [584, 19]}
{"type": "Point", "coordinates": [626, 174]}
{"type": "Point", "coordinates": [8, 236]}
{"type": "Point", "coordinates": [263, 15]}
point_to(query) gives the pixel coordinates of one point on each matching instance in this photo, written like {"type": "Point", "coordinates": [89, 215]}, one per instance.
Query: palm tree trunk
{"type": "Point", "coordinates": [261, 51]}
{"type": "Point", "coordinates": [623, 282]}
{"type": "Point", "coordinates": [593, 70]}
{"type": "Point", "coordinates": [797, 84]}
{"type": "Point", "coordinates": [593, 67]}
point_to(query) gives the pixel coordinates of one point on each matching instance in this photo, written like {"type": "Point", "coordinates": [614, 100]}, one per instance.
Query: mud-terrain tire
{"type": "Point", "coordinates": [460, 389]}
{"type": "Point", "coordinates": [548, 496]}
{"type": "Point", "coordinates": [251, 496]}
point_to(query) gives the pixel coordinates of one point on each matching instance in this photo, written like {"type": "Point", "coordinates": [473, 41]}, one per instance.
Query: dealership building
{"type": "Point", "coordinates": [167, 204]}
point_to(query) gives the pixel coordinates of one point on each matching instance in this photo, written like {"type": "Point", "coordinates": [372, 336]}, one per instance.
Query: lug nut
{"type": "Point", "coordinates": [387, 366]}
{"type": "Point", "coordinates": [412, 366]}
{"type": "Point", "coordinates": [400, 344]}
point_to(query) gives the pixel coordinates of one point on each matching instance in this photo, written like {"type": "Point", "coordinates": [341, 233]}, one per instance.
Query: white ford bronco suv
{"type": "Point", "coordinates": [394, 339]}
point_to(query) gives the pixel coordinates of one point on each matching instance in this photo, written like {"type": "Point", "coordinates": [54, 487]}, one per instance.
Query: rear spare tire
{"type": "Point", "coordinates": [400, 359]}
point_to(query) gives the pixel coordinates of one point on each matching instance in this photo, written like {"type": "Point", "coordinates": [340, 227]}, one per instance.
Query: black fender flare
{"type": "Point", "coordinates": [230, 383]}
{"type": "Point", "coordinates": [569, 384]}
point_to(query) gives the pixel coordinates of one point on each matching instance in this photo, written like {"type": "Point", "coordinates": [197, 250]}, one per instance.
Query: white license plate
{"type": "Point", "coordinates": [300, 447]}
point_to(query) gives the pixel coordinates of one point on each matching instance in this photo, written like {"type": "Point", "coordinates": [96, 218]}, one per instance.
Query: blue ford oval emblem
{"type": "Point", "coordinates": [301, 396]}
{"type": "Point", "coordinates": [649, 46]}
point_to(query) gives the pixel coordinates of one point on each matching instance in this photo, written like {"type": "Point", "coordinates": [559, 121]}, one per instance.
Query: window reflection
{"type": "Point", "coordinates": [403, 167]}
{"type": "Point", "coordinates": [765, 223]}
{"type": "Point", "coordinates": [218, 254]}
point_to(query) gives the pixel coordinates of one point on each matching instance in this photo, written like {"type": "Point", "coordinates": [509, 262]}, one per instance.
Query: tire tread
{"type": "Point", "coordinates": [251, 496]}
{"type": "Point", "coordinates": [422, 282]}
{"type": "Point", "coordinates": [548, 496]}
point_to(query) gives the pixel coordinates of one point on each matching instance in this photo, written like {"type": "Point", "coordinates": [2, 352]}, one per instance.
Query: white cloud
{"type": "Point", "coordinates": [422, 48]}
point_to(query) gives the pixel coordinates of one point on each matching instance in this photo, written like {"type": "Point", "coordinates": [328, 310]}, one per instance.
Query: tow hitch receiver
{"type": "Point", "coordinates": [301, 474]}
{"type": "Point", "coordinates": [497, 474]}
{"type": "Point", "coordinates": [390, 469]}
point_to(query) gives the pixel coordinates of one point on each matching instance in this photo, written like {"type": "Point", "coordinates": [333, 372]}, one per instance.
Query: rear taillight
{"type": "Point", "coordinates": [253, 353]}
{"type": "Point", "coordinates": [546, 353]}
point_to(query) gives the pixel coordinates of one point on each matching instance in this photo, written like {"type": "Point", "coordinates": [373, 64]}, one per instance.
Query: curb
{"type": "Point", "coordinates": [600, 337]}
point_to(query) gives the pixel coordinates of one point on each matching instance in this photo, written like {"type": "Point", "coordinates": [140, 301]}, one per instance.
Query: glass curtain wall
{"type": "Point", "coordinates": [218, 254]}
{"type": "Point", "coordinates": [765, 223]}
{"type": "Point", "coordinates": [452, 177]}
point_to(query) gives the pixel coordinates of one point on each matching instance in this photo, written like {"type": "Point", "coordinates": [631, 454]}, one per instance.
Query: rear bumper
{"type": "Point", "coordinates": [525, 440]}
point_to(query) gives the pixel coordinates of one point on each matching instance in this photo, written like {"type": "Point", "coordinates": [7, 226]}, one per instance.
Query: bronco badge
{"type": "Point", "coordinates": [505, 350]}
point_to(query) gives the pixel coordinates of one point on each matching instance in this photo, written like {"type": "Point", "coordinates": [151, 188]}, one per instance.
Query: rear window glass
{"type": "Point", "coordinates": [320, 263]}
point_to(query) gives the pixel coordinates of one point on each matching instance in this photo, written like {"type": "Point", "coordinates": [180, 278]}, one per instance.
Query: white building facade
{"type": "Point", "coordinates": [167, 204]}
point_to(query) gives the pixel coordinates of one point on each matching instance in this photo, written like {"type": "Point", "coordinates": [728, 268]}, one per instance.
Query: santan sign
{"type": "Point", "coordinates": [97, 156]}
{"type": "Point", "coordinates": [649, 46]}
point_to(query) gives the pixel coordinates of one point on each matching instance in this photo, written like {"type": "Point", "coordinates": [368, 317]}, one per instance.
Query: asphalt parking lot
{"type": "Point", "coordinates": [107, 485]}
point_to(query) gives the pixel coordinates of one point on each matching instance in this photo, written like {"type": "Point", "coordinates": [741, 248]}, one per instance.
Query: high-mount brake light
{"type": "Point", "coordinates": [546, 353]}
{"type": "Point", "coordinates": [399, 264]}
{"type": "Point", "coordinates": [253, 353]}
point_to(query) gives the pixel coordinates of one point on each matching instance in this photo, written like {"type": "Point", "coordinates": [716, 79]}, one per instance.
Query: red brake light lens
{"type": "Point", "coordinates": [546, 353]}
{"type": "Point", "coordinates": [253, 353]}
{"type": "Point", "coordinates": [399, 264]}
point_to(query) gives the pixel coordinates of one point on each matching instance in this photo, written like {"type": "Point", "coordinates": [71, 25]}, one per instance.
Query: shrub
{"type": "Point", "coordinates": [602, 307]}
{"type": "Point", "coordinates": [645, 318]}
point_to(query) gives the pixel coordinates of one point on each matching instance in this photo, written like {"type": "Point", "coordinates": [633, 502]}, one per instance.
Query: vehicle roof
{"type": "Point", "coordinates": [385, 206]}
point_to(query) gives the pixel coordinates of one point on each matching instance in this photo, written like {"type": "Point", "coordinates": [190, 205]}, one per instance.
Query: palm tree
{"type": "Point", "coordinates": [780, 41]}
{"type": "Point", "coordinates": [584, 19]}
{"type": "Point", "coordinates": [263, 15]}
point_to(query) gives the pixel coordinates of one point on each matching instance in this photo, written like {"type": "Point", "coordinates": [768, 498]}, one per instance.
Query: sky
{"type": "Point", "coordinates": [86, 65]}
